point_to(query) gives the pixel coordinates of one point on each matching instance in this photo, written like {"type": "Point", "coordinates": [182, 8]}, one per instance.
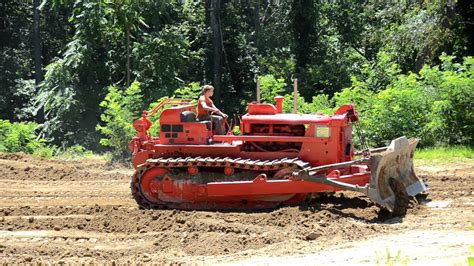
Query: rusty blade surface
{"type": "Point", "coordinates": [394, 163]}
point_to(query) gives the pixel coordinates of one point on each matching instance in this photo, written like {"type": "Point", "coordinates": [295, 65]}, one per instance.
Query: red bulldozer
{"type": "Point", "coordinates": [279, 159]}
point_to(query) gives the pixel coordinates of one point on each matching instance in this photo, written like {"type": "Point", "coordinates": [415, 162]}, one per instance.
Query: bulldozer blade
{"type": "Point", "coordinates": [393, 177]}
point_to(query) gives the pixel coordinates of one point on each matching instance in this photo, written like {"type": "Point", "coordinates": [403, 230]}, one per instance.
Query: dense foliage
{"type": "Point", "coordinates": [436, 104]}
{"type": "Point", "coordinates": [19, 137]}
{"type": "Point", "coordinates": [405, 65]}
{"type": "Point", "coordinates": [122, 107]}
{"type": "Point", "coordinates": [23, 137]}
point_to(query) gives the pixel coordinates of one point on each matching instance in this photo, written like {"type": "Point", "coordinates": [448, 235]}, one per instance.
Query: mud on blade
{"type": "Point", "coordinates": [393, 177]}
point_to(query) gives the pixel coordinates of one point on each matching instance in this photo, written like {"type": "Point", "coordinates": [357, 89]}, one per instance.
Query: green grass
{"type": "Point", "coordinates": [470, 259]}
{"type": "Point", "coordinates": [444, 155]}
{"type": "Point", "coordinates": [71, 156]}
{"type": "Point", "coordinates": [390, 259]}
{"type": "Point", "coordinates": [75, 152]}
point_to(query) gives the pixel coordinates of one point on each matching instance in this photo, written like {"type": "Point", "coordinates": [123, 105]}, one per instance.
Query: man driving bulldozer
{"type": "Point", "coordinates": [207, 111]}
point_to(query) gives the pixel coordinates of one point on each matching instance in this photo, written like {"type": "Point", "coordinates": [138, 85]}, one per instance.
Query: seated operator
{"type": "Point", "coordinates": [206, 110]}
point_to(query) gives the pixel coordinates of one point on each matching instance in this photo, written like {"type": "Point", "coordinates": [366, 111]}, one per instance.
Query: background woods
{"type": "Point", "coordinates": [84, 70]}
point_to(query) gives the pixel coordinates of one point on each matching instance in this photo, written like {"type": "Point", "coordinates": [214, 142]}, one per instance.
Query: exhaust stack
{"type": "Point", "coordinates": [279, 103]}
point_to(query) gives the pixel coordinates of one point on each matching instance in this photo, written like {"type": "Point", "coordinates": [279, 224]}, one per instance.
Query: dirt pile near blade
{"type": "Point", "coordinates": [82, 211]}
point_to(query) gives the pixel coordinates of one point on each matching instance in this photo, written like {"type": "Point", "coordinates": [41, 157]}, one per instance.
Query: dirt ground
{"type": "Point", "coordinates": [82, 212]}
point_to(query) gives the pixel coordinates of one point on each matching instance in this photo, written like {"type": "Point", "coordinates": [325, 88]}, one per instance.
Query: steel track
{"type": "Point", "coordinates": [218, 162]}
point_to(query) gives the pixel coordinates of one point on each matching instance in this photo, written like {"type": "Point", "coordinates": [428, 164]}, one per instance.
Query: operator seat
{"type": "Point", "coordinates": [190, 116]}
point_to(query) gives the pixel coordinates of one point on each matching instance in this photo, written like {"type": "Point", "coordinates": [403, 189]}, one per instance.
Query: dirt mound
{"type": "Point", "coordinates": [19, 166]}
{"type": "Point", "coordinates": [82, 211]}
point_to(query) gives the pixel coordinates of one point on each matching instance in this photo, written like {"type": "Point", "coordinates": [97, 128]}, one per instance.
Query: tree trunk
{"type": "Point", "coordinates": [427, 54]}
{"type": "Point", "coordinates": [257, 25]}
{"type": "Point", "coordinates": [37, 55]}
{"type": "Point", "coordinates": [127, 33]}
{"type": "Point", "coordinates": [217, 48]}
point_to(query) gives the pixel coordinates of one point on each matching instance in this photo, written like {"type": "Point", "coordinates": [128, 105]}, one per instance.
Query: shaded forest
{"type": "Point", "coordinates": [407, 65]}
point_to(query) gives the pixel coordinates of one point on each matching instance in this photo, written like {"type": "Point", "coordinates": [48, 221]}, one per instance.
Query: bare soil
{"type": "Point", "coordinates": [82, 212]}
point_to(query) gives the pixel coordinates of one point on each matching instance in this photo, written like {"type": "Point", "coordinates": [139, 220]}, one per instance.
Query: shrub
{"type": "Point", "coordinates": [73, 152]}
{"type": "Point", "coordinates": [452, 112]}
{"type": "Point", "coordinates": [435, 105]}
{"type": "Point", "coordinates": [358, 95]}
{"type": "Point", "coordinates": [320, 104]}
{"type": "Point", "coordinates": [19, 137]}
{"type": "Point", "coordinates": [394, 112]}
{"type": "Point", "coordinates": [271, 87]}
{"type": "Point", "coordinates": [191, 91]}
{"type": "Point", "coordinates": [121, 108]}
{"type": "Point", "coordinates": [46, 152]}
{"type": "Point", "coordinates": [302, 105]}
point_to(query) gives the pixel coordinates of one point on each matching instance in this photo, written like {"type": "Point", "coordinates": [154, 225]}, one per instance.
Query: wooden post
{"type": "Point", "coordinates": [295, 96]}
{"type": "Point", "coordinates": [258, 89]}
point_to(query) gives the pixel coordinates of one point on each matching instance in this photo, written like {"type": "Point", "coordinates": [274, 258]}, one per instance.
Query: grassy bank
{"type": "Point", "coordinates": [444, 155]}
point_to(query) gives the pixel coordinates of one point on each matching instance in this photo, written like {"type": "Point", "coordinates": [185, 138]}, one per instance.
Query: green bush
{"type": "Point", "coordinates": [46, 152]}
{"type": "Point", "coordinates": [452, 112]}
{"type": "Point", "coordinates": [191, 91]}
{"type": "Point", "coordinates": [302, 105]}
{"type": "Point", "coordinates": [271, 87]}
{"type": "Point", "coordinates": [320, 104]}
{"type": "Point", "coordinates": [73, 152]}
{"type": "Point", "coordinates": [358, 95]}
{"type": "Point", "coordinates": [122, 107]}
{"type": "Point", "coordinates": [22, 137]}
{"type": "Point", "coordinates": [394, 112]}
{"type": "Point", "coordinates": [19, 137]}
{"type": "Point", "coordinates": [435, 105]}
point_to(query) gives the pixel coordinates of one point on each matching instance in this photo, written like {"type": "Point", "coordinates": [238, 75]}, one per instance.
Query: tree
{"type": "Point", "coordinates": [88, 46]}
{"type": "Point", "coordinates": [214, 14]}
{"type": "Point", "coordinates": [37, 47]}
{"type": "Point", "coordinates": [15, 56]}
{"type": "Point", "coordinates": [99, 55]}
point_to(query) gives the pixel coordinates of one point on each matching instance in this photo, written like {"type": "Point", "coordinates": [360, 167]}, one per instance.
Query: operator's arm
{"type": "Point", "coordinates": [219, 111]}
